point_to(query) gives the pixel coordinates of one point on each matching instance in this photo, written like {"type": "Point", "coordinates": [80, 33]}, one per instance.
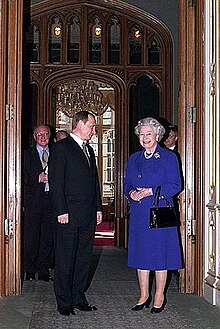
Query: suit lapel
{"type": "Point", "coordinates": [80, 151]}
{"type": "Point", "coordinates": [92, 156]}
{"type": "Point", "coordinates": [36, 157]}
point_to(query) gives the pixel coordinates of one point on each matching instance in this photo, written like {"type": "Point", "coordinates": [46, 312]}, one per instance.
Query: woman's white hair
{"type": "Point", "coordinates": [153, 123]}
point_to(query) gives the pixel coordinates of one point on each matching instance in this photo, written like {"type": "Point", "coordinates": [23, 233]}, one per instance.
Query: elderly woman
{"type": "Point", "coordinates": [151, 249]}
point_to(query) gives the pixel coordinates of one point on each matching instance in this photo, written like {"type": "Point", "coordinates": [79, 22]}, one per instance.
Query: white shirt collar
{"type": "Point", "coordinates": [40, 149]}
{"type": "Point", "coordinates": [77, 139]}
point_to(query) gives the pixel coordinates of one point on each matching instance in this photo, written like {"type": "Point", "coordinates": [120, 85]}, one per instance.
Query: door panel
{"type": "Point", "coordinates": [186, 140]}
{"type": "Point", "coordinates": [11, 74]}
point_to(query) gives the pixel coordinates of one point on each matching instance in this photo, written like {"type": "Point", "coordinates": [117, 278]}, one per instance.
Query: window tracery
{"type": "Point", "coordinates": [73, 42]}
{"type": "Point", "coordinates": [114, 41]}
{"type": "Point", "coordinates": [33, 44]}
{"type": "Point", "coordinates": [55, 40]}
{"type": "Point", "coordinates": [135, 45]}
{"type": "Point", "coordinates": [95, 41]}
{"type": "Point", "coordinates": [153, 54]}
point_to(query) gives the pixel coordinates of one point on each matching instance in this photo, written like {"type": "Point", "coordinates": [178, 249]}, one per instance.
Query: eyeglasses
{"type": "Point", "coordinates": [39, 135]}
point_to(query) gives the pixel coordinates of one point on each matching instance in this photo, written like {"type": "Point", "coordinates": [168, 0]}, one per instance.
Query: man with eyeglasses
{"type": "Point", "coordinates": [38, 219]}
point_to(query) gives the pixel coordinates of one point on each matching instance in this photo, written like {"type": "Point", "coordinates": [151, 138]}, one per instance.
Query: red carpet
{"type": "Point", "coordinates": [104, 235]}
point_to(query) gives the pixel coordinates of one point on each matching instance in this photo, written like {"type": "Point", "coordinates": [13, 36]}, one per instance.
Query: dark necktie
{"type": "Point", "coordinates": [84, 147]}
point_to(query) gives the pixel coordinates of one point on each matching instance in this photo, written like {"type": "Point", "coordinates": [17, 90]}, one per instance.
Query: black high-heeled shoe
{"type": "Point", "coordinates": [140, 307]}
{"type": "Point", "coordinates": [159, 309]}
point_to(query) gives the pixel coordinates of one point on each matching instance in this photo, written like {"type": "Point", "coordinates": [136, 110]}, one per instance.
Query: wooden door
{"type": "Point", "coordinates": [191, 141]}
{"type": "Point", "coordinates": [10, 91]}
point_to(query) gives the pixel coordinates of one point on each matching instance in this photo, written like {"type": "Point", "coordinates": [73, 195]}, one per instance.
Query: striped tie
{"type": "Point", "coordinates": [84, 147]}
{"type": "Point", "coordinates": [44, 158]}
{"type": "Point", "coordinates": [45, 168]}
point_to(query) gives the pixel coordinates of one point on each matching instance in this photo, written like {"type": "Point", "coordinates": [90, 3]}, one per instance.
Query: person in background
{"type": "Point", "coordinates": [60, 134]}
{"type": "Point", "coordinates": [77, 204]}
{"type": "Point", "coordinates": [171, 141]}
{"type": "Point", "coordinates": [151, 249]}
{"type": "Point", "coordinates": [38, 223]}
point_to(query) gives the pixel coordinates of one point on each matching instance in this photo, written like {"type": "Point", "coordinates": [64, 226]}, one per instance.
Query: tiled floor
{"type": "Point", "coordinates": [114, 290]}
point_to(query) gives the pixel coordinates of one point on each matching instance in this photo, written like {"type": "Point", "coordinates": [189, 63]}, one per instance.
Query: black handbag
{"type": "Point", "coordinates": [162, 216]}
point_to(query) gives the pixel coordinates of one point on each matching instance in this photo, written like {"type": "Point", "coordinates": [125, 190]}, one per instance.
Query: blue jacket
{"type": "Point", "coordinates": [163, 170]}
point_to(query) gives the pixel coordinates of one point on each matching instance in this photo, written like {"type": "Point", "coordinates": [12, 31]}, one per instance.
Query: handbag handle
{"type": "Point", "coordinates": [157, 197]}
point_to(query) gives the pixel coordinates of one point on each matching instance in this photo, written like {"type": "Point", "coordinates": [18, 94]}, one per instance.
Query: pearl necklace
{"type": "Point", "coordinates": [148, 155]}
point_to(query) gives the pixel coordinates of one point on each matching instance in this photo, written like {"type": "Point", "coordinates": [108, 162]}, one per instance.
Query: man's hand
{"type": "Point", "coordinates": [99, 217]}
{"type": "Point", "coordinates": [43, 178]}
{"type": "Point", "coordinates": [63, 219]}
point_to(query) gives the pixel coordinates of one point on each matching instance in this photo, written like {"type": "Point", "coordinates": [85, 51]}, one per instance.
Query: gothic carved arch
{"type": "Point", "coordinates": [156, 79]}
{"type": "Point", "coordinates": [152, 28]}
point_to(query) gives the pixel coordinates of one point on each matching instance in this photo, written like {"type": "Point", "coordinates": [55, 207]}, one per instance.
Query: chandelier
{"type": "Point", "coordinates": [79, 95]}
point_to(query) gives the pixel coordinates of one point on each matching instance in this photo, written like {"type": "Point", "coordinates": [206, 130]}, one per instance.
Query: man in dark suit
{"type": "Point", "coordinates": [38, 226]}
{"type": "Point", "coordinates": [171, 141]}
{"type": "Point", "coordinates": [74, 184]}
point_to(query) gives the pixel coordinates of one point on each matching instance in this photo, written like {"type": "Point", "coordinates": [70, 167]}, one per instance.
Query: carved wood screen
{"type": "Point", "coordinates": [109, 42]}
{"type": "Point", "coordinates": [77, 35]}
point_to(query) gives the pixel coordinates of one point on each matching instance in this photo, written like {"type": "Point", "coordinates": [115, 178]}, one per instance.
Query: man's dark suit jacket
{"type": "Point", "coordinates": [38, 220]}
{"type": "Point", "coordinates": [73, 183]}
{"type": "Point", "coordinates": [33, 190]}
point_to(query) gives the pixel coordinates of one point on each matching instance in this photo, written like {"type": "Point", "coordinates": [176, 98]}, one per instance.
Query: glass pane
{"type": "Point", "coordinates": [94, 142]}
{"type": "Point", "coordinates": [107, 117]}
{"type": "Point", "coordinates": [135, 46]}
{"type": "Point", "coordinates": [95, 43]}
{"type": "Point", "coordinates": [114, 42]}
{"type": "Point", "coordinates": [63, 122]}
{"type": "Point", "coordinates": [55, 41]}
{"type": "Point", "coordinates": [154, 54]}
{"type": "Point", "coordinates": [108, 154]}
{"type": "Point", "coordinates": [33, 45]}
{"type": "Point", "coordinates": [73, 45]}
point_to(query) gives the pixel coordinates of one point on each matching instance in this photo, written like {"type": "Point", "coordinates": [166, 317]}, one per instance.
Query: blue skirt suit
{"type": "Point", "coordinates": [158, 248]}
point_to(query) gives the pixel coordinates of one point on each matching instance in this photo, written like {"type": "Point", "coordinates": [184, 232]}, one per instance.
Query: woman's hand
{"type": "Point", "coordinates": [140, 193]}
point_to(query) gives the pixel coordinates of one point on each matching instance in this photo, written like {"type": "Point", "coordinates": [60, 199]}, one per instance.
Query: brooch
{"type": "Point", "coordinates": [157, 155]}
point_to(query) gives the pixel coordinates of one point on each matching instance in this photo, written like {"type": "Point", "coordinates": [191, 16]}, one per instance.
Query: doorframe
{"type": "Point", "coordinates": [191, 142]}
{"type": "Point", "coordinates": [3, 45]}
{"type": "Point", "coordinates": [211, 270]}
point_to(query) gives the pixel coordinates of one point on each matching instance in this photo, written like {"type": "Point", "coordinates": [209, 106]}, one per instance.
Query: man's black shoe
{"type": "Point", "coordinates": [30, 276]}
{"type": "Point", "coordinates": [45, 278]}
{"type": "Point", "coordinates": [85, 307]}
{"type": "Point", "coordinates": [67, 311]}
